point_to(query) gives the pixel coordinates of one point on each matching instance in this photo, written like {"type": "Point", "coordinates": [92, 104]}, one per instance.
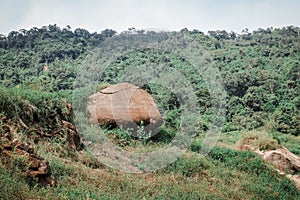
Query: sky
{"type": "Point", "coordinates": [119, 15]}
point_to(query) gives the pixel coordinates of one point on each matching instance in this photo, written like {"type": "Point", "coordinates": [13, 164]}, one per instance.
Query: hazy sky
{"type": "Point", "coordinates": [97, 15]}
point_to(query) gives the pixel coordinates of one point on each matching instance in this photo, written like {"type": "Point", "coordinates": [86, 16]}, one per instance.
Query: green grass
{"type": "Point", "coordinates": [223, 174]}
{"type": "Point", "coordinates": [289, 141]}
{"type": "Point", "coordinates": [12, 186]}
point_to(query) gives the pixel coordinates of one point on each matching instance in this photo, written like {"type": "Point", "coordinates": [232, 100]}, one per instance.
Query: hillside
{"type": "Point", "coordinates": [39, 70]}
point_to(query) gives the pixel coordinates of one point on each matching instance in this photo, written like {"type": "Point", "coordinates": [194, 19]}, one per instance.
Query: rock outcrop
{"type": "Point", "coordinates": [18, 155]}
{"type": "Point", "coordinates": [126, 106]}
{"type": "Point", "coordinates": [21, 158]}
{"type": "Point", "coordinates": [284, 160]}
{"type": "Point", "coordinates": [281, 158]}
{"type": "Point", "coordinates": [73, 136]}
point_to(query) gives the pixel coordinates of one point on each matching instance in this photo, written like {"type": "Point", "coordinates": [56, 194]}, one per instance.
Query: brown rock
{"type": "Point", "coordinates": [126, 106]}
{"type": "Point", "coordinates": [296, 179]}
{"type": "Point", "coordinates": [73, 136]}
{"type": "Point", "coordinates": [15, 154]}
{"type": "Point", "coordinates": [283, 159]}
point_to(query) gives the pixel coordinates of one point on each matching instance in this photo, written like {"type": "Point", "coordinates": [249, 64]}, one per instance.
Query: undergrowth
{"type": "Point", "coordinates": [223, 174]}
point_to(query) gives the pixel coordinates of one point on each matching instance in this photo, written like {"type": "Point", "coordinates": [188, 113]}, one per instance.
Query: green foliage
{"type": "Point", "coordinates": [33, 105]}
{"type": "Point", "coordinates": [287, 119]}
{"type": "Point", "coordinates": [252, 164]}
{"type": "Point", "coordinates": [260, 71]}
{"type": "Point", "coordinates": [165, 135]}
{"type": "Point", "coordinates": [189, 166]}
{"type": "Point", "coordinates": [261, 140]}
{"type": "Point", "coordinates": [102, 86]}
{"type": "Point", "coordinates": [123, 137]}
{"type": "Point", "coordinates": [289, 141]}
{"type": "Point", "coordinates": [241, 160]}
{"type": "Point", "coordinates": [249, 119]}
{"type": "Point", "coordinates": [28, 54]}
{"type": "Point", "coordinates": [59, 169]}
{"type": "Point", "coordinates": [12, 186]}
{"type": "Point", "coordinates": [19, 164]}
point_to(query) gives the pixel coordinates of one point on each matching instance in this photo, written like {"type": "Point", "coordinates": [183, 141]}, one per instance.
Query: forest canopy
{"type": "Point", "coordinates": [260, 69]}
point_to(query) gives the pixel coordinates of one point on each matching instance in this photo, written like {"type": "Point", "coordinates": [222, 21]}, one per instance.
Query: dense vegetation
{"type": "Point", "coordinates": [261, 75]}
{"type": "Point", "coordinates": [260, 69]}
{"type": "Point", "coordinates": [25, 56]}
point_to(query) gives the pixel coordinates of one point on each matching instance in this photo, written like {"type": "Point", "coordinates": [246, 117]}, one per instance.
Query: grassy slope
{"type": "Point", "coordinates": [225, 174]}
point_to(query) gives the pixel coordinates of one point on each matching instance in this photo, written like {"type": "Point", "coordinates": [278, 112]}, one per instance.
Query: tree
{"type": "Point", "coordinates": [3, 41]}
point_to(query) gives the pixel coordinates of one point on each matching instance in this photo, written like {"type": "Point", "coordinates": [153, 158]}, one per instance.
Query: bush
{"type": "Point", "coordinates": [266, 179]}
{"type": "Point", "coordinates": [250, 120]}
{"type": "Point", "coordinates": [262, 140]}
{"type": "Point", "coordinates": [12, 186]}
{"type": "Point", "coordinates": [33, 106]}
{"type": "Point", "coordinates": [189, 165]}
{"type": "Point", "coordinates": [287, 119]}
{"type": "Point", "coordinates": [59, 169]}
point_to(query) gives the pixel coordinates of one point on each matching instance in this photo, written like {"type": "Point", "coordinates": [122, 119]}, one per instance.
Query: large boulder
{"type": "Point", "coordinates": [126, 106]}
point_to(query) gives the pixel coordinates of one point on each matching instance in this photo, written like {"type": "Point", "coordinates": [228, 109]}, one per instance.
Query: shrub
{"type": "Point", "coordinates": [189, 165]}
{"type": "Point", "coordinates": [33, 106]}
{"type": "Point", "coordinates": [12, 186]}
{"type": "Point", "coordinates": [260, 139]}
{"type": "Point", "coordinates": [59, 169]}
{"type": "Point", "coordinates": [268, 183]}
{"type": "Point", "coordinates": [287, 119]}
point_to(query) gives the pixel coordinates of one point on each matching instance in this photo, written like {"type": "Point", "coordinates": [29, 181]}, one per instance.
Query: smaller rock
{"type": "Point", "coordinates": [296, 179]}
{"type": "Point", "coordinates": [73, 136]}
{"type": "Point", "coordinates": [30, 164]}
{"type": "Point", "coordinates": [281, 158]}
